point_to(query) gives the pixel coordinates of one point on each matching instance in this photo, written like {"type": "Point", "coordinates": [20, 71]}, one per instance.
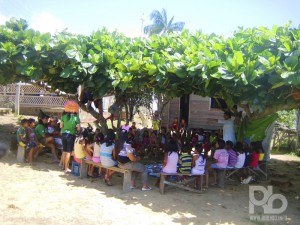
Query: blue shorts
{"type": "Point", "coordinates": [68, 142]}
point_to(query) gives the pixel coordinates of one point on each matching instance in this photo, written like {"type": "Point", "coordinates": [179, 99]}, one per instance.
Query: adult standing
{"type": "Point", "coordinates": [43, 137]}
{"type": "Point", "coordinates": [228, 128]}
{"type": "Point", "coordinates": [70, 123]}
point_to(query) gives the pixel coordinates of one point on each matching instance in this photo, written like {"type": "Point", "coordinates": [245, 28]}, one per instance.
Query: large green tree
{"type": "Point", "coordinates": [161, 24]}
{"type": "Point", "coordinates": [256, 69]}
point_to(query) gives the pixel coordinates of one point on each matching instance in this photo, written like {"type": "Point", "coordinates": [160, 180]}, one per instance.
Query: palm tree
{"type": "Point", "coordinates": [161, 25]}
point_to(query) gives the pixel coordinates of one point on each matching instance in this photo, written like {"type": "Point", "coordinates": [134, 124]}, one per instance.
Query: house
{"type": "Point", "coordinates": [198, 112]}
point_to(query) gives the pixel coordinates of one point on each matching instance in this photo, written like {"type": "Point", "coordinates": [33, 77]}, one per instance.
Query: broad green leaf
{"type": "Point", "coordinates": [93, 69]}
{"type": "Point", "coordinates": [79, 57]}
{"type": "Point", "coordinates": [71, 53]}
{"type": "Point", "coordinates": [263, 61]}
{"type": "Point", "coordinates": [156, 58]}
{"type": "Point", "coordinates": [237, 59]}
{"type": "Point", "coordinates": [38, 47]}
{"type": "Point", "coordinates": [287, 74]}
{"type": "Point", "coordinates": [86, 64]}
{"type": "Point", "coordinates": [278, 85]}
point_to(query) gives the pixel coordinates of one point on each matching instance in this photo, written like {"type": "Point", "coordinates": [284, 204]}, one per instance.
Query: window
{"type": "Point", "coordinates": [217, 103]}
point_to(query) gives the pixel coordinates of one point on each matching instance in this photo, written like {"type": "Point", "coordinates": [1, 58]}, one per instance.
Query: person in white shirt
{"type": "Point", "coordinates": [228, 128]}
{"type": "Point", "coordinates": [241, 156]}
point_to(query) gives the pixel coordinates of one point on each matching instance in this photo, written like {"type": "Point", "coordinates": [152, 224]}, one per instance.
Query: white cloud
{"type": "Point", "coordinates": [46, 22]}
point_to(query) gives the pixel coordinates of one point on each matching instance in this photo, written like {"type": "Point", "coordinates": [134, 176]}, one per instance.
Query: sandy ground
{"type": "Point", "coordinates": [43, 194]}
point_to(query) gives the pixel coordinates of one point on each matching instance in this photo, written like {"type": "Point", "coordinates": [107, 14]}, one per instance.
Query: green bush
{"type": "Point", "coordinates": [297, 152]}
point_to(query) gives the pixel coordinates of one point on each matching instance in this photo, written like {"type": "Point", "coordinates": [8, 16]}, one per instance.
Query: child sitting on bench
{"type": "Point", "coordinates": [32, 140]}
{"type": "Point", "coordinates": [23, 140]}
{"type": "Point", "coordinates": [198, 164]}
{"type": "Point", "coordinates": [185, 163]}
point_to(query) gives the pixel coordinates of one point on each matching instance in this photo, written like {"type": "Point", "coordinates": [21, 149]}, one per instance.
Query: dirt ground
{"type": "Point", "coordinates": [43, 194]}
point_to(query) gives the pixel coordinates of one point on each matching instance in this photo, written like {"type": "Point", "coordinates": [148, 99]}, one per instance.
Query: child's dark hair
{"type": "Point", "coordinates": [31, 120]}
{"type": "Point", "coordinates": [23, 121]}
{"type": "Point", "coordinates": [229, 143]}
{"type": "Point", "coordinates": [185, 148]}
{"type": "Point", "coordinates": [199, 148]}
{"type": "Point", "coordinates": [221, 143]}
{"type": "Point", "coordinates": [257, 146]}
{"type": "Point", "coordinates": [110, 137]}
{"type": "Point", "coordinates": [99, 138]}
{"type": "Point", "coordinates": [239, 147]}
{"type": "Point", "coordinates": [172, 147]}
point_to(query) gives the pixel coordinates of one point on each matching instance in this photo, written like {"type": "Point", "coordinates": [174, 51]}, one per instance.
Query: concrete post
{"type": "Point", "coordinates": [17, 99]}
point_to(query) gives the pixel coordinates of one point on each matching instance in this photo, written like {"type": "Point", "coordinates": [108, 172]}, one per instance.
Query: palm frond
{"type": "Point", "coordinates": [170, 24]}
{"type": "Point", "coordinates": [178, 26]}
{"type": "Point", "coordinates": [161, 25]}
{"type": "Point", "coordinates": [153, 29]}
{"type": "Point", "coordinates": [156, 17]}
{"type": "Point", "coordinates": [164, 16]}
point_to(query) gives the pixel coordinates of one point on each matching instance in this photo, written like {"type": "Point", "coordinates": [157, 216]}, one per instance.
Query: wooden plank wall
{"type": "Point", "coordinates": [201, 116]}
{"type": "Point", "coordinates": [174, 110]}
{"type": "Point", "coordinates": [170, 111]}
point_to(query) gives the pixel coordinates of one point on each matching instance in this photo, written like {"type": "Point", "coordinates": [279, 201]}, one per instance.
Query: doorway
{"type": "Point", "coordinates": [184, 108]}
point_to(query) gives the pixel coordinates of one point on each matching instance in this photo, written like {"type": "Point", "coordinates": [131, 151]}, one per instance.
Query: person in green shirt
{"type": "Point", "coordinates": [44, 137]}
{"type": "Point", "coordinates": [69, 124]}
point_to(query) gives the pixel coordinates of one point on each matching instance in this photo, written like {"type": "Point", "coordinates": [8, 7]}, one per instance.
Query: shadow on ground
{"type": "Point", "coordinates": [214, 206]}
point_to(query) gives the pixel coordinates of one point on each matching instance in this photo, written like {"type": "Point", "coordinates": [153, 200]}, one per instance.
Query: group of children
{"type": "Point", "coordinates": [183, 158]}
{"type": "Point", "coordinates": [184, 151]}
{"type": "Point", "coordinates": [28, 137]}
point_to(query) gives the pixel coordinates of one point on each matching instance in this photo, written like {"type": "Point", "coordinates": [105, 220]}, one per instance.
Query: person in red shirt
{"type": "Point", "coordinates": [255, 148]}
{"type": "Point", "coordinates": [174, 126]}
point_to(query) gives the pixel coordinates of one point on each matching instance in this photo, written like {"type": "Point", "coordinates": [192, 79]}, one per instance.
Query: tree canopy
{"type": "Point", "coordinates": [256, 69]}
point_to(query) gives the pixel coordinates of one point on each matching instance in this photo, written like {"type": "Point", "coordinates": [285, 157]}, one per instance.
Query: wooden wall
{"type": "Point", "coordinates": [200, 114]}
{"type": "Point", "coordinates": [170, 112]}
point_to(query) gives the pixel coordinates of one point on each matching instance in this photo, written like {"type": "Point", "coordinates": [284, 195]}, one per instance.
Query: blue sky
{"type": "Point", "coordinates": [84, 16]}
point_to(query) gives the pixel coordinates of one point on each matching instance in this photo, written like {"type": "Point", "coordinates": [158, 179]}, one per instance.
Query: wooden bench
{"type": "Point", "coordinates": [5, 111]}
{"type": "Point", "coordinates": [163, 181]}
{"type": "Point", "coordinates": [127, 173]}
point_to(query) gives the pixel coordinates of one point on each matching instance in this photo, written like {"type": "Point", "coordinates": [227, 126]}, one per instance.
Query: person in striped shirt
{"type": "Point", "coordinates": [232, 159]}
{"type": "Point", "coordinates": [185, 163]}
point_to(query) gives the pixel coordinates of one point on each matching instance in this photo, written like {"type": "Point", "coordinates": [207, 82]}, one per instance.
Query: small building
{"type": "Point", "coordinates": [197, 111]}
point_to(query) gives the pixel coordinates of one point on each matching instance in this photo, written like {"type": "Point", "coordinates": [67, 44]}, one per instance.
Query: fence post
{"type": "Point", "coordinates": [17, 99]}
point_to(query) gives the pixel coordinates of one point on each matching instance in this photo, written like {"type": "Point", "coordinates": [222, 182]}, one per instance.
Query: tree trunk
{"type": "Point", "coordinates": [298, 129]}
{"type": "Point", "coordinates": [98, 116]}
{"type": "Point", "coordinates": [119, 118]}
{"type": "Point", "coordinates": [131, 108]}
{"type": "Point", "coordinates": [127, 113]}
{"type": "Point", "coordinates": [159, 102]}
